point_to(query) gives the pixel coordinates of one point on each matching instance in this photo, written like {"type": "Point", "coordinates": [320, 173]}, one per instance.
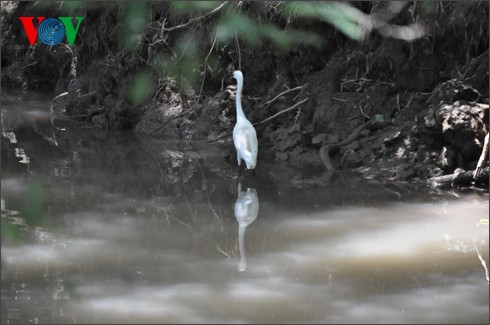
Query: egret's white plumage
{"type": "Point", "coordinates": [244, 135]}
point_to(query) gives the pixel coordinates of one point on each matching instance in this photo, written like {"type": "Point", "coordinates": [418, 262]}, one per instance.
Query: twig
{"type": "Point", "coordinates": [29, 64]}
{"type": "Point", "coordinates": [482, 159]}
{"type": "Point", "coordinates": [398, 101]}
{"type": "Point", "coordinates": [93, 92]}
{"type": "Point", "coordinates": [198, 18]}
{"type": "Point", "coordinates": [300, 93]}
{"type": "Point", "coordinates": [282, 112]}
{"type": "Point", "coordinates": [482, 263]}
{"type": "Point", "coordinates": [90, 113]}
{"type": "Point", "coordinates": [57, 97]}
{"type": "Point", "coordinates": [239, 53]}
{"type": "Point", "coordinates": [362, 112]}
{"type": "Point", "coordinates": [283, 93]}
{"type": "Point", "coordinates": [150, 64]}
{"type": "Point", "coordinates": [410, 101]}
{"type": "Point", "coordinates": [206, 64]}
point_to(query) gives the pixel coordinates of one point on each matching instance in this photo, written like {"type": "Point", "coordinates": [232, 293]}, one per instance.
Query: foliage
{"type": "Point", "coordinates": [182, 63]}
{"type": "Point", "coordinates": [236, 23]}
{"type": "Point", "coordinates": [135, 21]}
{"type": "Point", "coordinates": [140, 87]}
{"type": "Point", "coordinates": [253, 23]}
{"type": "Point", "coordinates": [182, 42]}
{"type": "Point", "coordinates": [341, 15]}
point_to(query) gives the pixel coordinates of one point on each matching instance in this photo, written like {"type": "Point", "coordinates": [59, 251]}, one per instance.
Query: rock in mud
{"type": "Point", "coordinates": [463, 127]}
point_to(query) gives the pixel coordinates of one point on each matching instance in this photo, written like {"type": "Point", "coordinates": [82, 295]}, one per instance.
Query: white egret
{"type": "Point", "coordinates": [244, 135]}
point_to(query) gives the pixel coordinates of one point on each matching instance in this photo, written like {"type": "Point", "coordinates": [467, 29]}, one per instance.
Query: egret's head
{"type": "Point", "coordinates": [237, 74]}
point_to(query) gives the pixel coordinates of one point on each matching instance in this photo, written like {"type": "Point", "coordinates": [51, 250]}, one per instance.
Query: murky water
{"type": "Point", "coordinates": [102, 227]}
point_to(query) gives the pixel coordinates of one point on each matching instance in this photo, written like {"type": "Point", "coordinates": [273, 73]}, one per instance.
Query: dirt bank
{"type": "Point", "coordinates": [428, 97]}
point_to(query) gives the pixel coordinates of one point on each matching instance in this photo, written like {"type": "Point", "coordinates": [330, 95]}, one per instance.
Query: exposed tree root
{"type": "Point", "coordinates": [330, 149]}
{"type": "Point", "coordinates": [461, 178]}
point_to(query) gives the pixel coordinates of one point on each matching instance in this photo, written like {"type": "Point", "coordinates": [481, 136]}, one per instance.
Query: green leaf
{"type": "Point", "coordinates": [10, 231]}
{"type": "Point", "coordinates": [193, 6]}
{"type": "Point", "coordinates": [428, 6]}
{"type": "Point", "coordinates": [284, 39]}
{"type": "Point", "coordinates": [240, 25]}
{"type": "Point", "coordinates": [135, 20]}
{"type": "Point", "coordinates": [141, 88]}
{"type": "Point", "coordinates": [382, 118]}
{"type": "Point", "coordinates": [68, 7]}
{"type": "Point", "coordinates": [344, 17]}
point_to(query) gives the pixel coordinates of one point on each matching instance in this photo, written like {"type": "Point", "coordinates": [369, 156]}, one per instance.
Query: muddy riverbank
{"type": "Point", "coordinates": [426, 101]}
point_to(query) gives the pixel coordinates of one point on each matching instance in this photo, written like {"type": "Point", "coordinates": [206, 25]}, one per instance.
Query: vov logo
{"type": "Point", "coordinates": [51, 31]}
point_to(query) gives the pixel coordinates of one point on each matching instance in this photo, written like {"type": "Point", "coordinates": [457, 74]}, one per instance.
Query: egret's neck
{"type": "Point", "coordinates": [239, 111]}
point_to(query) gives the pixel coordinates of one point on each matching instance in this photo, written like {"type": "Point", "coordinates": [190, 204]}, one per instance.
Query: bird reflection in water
{"type": "Point", "coordinates": [246, 211]}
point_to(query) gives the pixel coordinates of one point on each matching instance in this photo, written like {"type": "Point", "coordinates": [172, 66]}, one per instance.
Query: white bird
{"type": "Point", "coordinates": [246, 211]}
{"type": "Point", "coordinates": [244, 135]}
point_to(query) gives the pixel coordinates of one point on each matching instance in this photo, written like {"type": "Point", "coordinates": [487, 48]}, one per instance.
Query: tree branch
{"type": "Point", "coordinates": [283, 111]}
{"type": "Point", "coordinates": [283, 93]}
{"type": "Point", "coordinates": [198, 18]}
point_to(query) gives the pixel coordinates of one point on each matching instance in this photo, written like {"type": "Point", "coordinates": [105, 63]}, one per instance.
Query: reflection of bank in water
{"type": "Point", "coordinates": [246, 211]}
